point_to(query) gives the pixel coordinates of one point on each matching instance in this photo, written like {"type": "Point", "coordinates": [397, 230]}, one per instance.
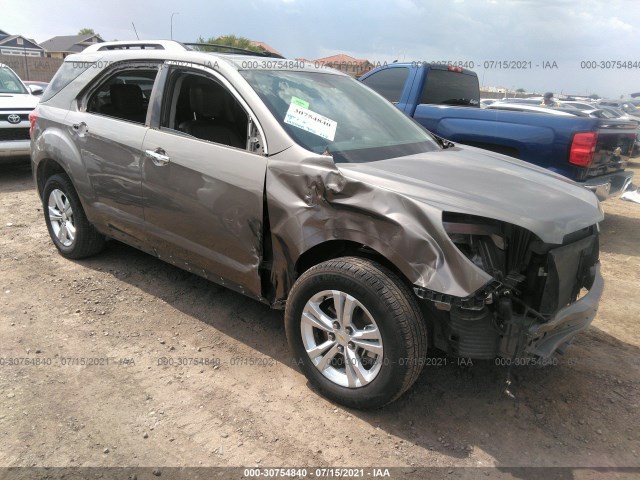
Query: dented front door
{"type": "Point", "coordinates": [203, 207]}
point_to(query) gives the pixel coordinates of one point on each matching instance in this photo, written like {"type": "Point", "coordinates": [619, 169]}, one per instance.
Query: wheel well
{"type": "Point", "coordinates": [341, 248]}
{"type": "Point", "coordinates": [46, 168]}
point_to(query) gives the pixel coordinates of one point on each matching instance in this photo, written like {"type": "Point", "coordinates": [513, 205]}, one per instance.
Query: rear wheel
{"type": "Point", "coordinates": [71, 232]}
{"type": "Point", "coordinates": [356, 331]}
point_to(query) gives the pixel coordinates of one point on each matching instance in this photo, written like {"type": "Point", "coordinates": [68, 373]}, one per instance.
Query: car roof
{"type": "Point", "coordinates": [176, 51]}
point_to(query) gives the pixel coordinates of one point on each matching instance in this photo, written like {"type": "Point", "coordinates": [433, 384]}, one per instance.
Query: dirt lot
{"type": "Point", "coordinates": [127, 313]}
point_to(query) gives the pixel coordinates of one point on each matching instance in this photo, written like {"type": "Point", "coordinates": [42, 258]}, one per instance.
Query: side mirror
{"type": "Point", "coordinates": [36, 89]}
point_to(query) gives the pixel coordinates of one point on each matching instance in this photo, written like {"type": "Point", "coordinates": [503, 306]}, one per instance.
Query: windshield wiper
{"type": "Point", "coordinates": [444, 143]}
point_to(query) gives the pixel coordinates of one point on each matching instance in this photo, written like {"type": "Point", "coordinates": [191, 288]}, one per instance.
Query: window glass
{"type": "Point", "coordinates": [388, 82]}
{"type": "Point", "coordinates": [66, 74]}
{"type": "Point", "coordinates": [9, 82]}
{"type": "Point", "coordinates": [338, 116]}
{"type": "Point", "coordinates": [124, 95]}
{"type": "Point", "coordinates": [450, 88]}
{"type": "Point", "coordinates": [201, 107]}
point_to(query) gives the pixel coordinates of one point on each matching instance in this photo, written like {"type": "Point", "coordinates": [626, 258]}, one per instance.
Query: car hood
{"type": "Point", "coordinates": [18, 101]}
{"type": "Point", "coordinates": [478, 182]}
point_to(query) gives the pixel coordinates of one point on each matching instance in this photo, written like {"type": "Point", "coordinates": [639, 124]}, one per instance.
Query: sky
{"type": "Point", "coordinates": [588, 46]}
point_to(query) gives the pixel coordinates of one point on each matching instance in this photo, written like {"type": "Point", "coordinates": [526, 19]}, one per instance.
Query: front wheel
{"type": "Point", "coordinates": [356, 332]}
{"type": "Point", "coordinates": [71, 232]}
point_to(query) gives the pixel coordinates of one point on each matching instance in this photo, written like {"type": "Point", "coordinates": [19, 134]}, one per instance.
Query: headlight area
{"type": "Point", "coordinates": [532, 282]}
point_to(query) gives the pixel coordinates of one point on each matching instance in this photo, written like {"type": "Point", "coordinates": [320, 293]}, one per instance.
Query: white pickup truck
{"type": "Point", "coordinates": [16, 102]}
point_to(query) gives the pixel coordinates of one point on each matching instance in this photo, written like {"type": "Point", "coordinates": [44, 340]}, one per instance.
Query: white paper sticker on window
{"type": "Point", "coordinates": [310, 121]}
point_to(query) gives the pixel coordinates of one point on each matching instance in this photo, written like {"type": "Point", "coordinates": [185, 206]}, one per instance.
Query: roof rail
{"type": "Point", "coordinates": [210, 47]}
{"type": "Point", "coordinates": [173, 45]}
{"type": "Point", "coordinates": [170, 45]}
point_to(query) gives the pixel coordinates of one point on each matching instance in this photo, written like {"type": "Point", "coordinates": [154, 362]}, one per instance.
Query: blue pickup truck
{"type": "Point", "coordinates": [445, 99]}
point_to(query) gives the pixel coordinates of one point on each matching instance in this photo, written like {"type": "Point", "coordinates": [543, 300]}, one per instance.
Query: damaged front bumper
{"type": "Point", "coordinates": [555, 334]}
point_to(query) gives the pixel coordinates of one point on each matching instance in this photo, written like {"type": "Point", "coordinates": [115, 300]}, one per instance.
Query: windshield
{"type": "Point", "coordinates": [336, 115]}
{"type": "Point", "coordinates": [9, 82]}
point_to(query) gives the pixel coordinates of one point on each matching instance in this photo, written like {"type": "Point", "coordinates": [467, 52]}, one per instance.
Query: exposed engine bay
{"type": "Point", "coordinates": [528, 309]}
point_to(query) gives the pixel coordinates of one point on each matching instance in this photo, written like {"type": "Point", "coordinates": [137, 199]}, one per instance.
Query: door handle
{"type": "Point", "coordinates": [158, 156]}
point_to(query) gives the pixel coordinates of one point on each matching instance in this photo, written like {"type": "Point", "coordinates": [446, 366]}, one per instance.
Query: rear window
{"type": "Point", "coordinates": [450, 88]}
{"type": "Point", "coordinates": [67, 73]}
{"type": "Point", "coordinates": [388, 82]}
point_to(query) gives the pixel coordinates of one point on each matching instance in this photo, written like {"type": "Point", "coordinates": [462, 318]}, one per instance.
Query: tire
{"type": "Point", "coordinates": [71, 232]}
{"type": "Point", "coordinates": [378, 346]}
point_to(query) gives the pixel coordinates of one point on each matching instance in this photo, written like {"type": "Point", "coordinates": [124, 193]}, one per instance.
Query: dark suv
{"type": "Point", "coordinates": [304, 189]}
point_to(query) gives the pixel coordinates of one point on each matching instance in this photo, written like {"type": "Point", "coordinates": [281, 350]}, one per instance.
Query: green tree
{"type": "Point", "coordinates": [228, 41]}
{"type": "Point", "coordinates": [594, 96]}
{"type": "Point", "coordinates": [86, 31]}
{"type": "Point", "coordinates": [521, 90]}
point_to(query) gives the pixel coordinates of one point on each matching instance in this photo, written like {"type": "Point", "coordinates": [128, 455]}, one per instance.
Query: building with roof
{"type": "Point", "coordinates": [345, 63]}
{"type": "Point", "coordinates": [265, 47]}
{"type": "Point", "coordinates": [19, 45]}
{"type": "Point", "coordinates": [64, 45]}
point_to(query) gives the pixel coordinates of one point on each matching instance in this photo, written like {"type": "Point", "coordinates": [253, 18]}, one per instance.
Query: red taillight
{"type": "Point", "coordinates": [33, 116]}
{"type": "Point", "coordinates": [583, 148]}
{"type": "Point", "coordinates": [451, 68]}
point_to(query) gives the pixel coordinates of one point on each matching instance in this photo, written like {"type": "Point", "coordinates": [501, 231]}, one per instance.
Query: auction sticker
{"type": "Point", "coordinates": [298, 101]}
{"type": "Point", "coordinates": [310, 121]}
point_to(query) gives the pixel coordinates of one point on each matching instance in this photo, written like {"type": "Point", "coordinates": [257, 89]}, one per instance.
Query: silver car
{"type": "Point", "coordinates": [302, 188]}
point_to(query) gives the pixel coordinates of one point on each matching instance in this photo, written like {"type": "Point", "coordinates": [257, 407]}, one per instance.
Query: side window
{"type": "Point", "coordinates": [66, 74]}
{"type": "Point", "coordinates": [388, 82]}
{"type": "Point", "coordinates": [198, 105]}
{"type": "Point", "coordinates": [125, 95]}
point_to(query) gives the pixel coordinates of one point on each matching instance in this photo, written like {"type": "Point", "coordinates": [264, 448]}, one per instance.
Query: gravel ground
{"type": "Point", "coordinates": [109, 334]}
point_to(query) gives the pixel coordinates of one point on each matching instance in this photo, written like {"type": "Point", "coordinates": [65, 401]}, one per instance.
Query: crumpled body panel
{"type": "Point", "coordinates": [395, 208]}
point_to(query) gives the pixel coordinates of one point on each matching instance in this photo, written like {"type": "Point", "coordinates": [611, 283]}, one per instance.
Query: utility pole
{"type": "Point", "coordinates": [26, 63]}
{"type": "Point", "coordinates": [174, 13]}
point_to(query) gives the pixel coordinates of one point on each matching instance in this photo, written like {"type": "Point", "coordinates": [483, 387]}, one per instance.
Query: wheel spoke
{"type": "Point", "coordinates": [370, 333]}
{"type": "Point", "coordinates": [57, 196]}
{"type": "Point", "coordinates": [338, 303]}
{"type": "Point", "coordinates": [326, 359]}
{"type": "Point", "coordinates": [71, 231]}
{"type": "Point", "coordinates": [350, 305]}
{"type": "Point", "coordinates": [62, 234]}
{"type": "Point", "coordinates": [355, 371]}
{"type": "Point", "coordinates": [318, 350]}
{"type": "Point", "coordinates": [54, 214]}
{"type": "Point", "coordinates": [369, 346]}
{"type": "Point", "coordinates": [316, 317]}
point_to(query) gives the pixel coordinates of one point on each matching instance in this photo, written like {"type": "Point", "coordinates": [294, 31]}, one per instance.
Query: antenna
{"type": "Point", "coordinates": [134, 29]}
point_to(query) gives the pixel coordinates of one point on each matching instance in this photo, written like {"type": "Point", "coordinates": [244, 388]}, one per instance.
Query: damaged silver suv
{"type": "Point", "coordinates": [304, 189]}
